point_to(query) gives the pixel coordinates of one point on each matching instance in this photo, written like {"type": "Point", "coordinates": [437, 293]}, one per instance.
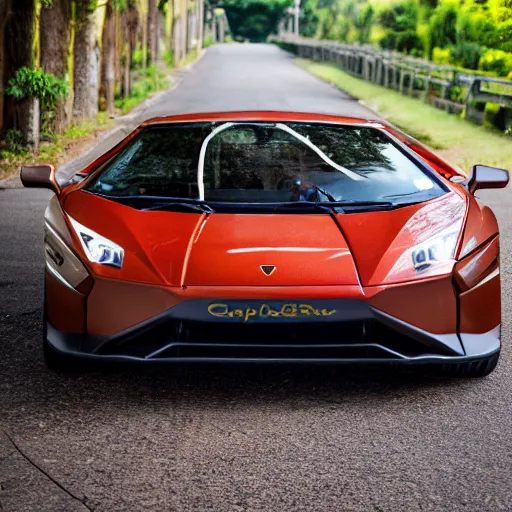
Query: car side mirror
{"type": "Point", "coordinates": [39, 176]}
{"type": "Point", "coordinates": [487, 177]}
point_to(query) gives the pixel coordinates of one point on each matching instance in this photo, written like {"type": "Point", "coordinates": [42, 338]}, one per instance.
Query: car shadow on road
{"type": "Point", "coordinates": [251, 385]}
{"type": "Point", "coordinates": [25, 379]}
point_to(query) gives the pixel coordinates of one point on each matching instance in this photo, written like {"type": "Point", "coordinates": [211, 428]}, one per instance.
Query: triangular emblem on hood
{"type": "Point", "coordinates": [267, 269]}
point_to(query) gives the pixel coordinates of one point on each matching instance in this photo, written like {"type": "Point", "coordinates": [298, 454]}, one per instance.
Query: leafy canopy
{"type": "Point", "coordinates": [254, 19]}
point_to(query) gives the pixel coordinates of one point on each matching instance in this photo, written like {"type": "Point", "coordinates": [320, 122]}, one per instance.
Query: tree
{"type": "Point", "coordinates": [153, 30]}
{"type": "Point", "coordinates": [255, 19]}
{"type": "Point", "coordinates": [109, 55]}
{"type": "Point", "coordinates": [55, 47]}
{"type": "Point", "coordinates": [21, 32]}
{"type": "Point", "coordinates": [84, 60]}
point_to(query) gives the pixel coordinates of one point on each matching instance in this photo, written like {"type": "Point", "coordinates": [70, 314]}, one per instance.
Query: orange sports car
{"type": "Point", "coordinates": [271, 236]}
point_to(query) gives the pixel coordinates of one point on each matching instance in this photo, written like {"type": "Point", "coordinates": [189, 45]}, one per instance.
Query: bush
{"type": "Point", "coordinates": [169, 57]}
{"type": "Point", "coordinates": [363, 23]}
{"type": "Point", "coordinates": [443, 24]}
{"type": "Point", "coordinates": [400, 17]}
{"type": "Point", "coordinates": [466, 55]}
{"type": "Point", "coordinates": [14, 143]}
{"type": "Point", "coordinates": [442, 55]}
{"type": "Point", "coordinates": [388, 42]}
{"type": "Point", "coordinates": [28, 83]}
{"type": "Point", "coordinates": [497, 61]}
{"type": "Point", "coordinates": [504, 36]}
{"type": "Point", "coordinates": [409, 41]}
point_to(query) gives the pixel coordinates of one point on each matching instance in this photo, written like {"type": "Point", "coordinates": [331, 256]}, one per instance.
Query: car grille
{"type": "Point", "coordinates": [368, 339]}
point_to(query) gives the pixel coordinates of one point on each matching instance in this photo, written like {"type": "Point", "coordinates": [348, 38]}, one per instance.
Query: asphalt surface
{"type": "Point", "coordinates": [232, 78]}
{"type": "Point", "coordinates": [236, 438]}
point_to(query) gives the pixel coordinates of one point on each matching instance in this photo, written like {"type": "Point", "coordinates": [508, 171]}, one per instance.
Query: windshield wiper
{"type": "Point", "coordinates": [367, 205]}
{"type": "Point", "coordinates": [353, 202]}
{"type": "Point", "coordinates": [299, 205]}
{"type": "Point", "coordinates": [178, 205]}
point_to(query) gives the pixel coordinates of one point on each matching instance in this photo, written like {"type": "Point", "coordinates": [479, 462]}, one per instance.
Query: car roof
{"type": "Point", "coordinates": [265, 115]}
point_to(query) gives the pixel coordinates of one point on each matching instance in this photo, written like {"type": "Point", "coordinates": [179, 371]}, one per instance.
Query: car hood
{"type": "Point", "coordinates": [193, 249]}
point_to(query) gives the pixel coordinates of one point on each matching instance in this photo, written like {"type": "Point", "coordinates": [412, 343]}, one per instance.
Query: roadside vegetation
{"type": "Point", "coordinates": [470, 34]}
{"type": "Point", "coordinates": [56, 150]}
{"type": "Point", "coordinates": [254, 20]}
{"type": "Point", "coordinates": [70, 65]}
{"type": "Point", "coordinates": [459, 142]}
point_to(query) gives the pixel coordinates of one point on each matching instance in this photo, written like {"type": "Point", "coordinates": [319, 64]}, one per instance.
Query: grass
{"type": "Point", "coordinates": [144, 86]}
{"type": "Point", "coordinates": [57, 149]}
{"type": "Point", "coordinates": [458, 141]}
{"type": "Point", "coordinates": [189, 58]}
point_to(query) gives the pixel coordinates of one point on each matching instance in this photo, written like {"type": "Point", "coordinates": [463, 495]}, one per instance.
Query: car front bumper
{"type": "Point", "coordinates": [300, 331]}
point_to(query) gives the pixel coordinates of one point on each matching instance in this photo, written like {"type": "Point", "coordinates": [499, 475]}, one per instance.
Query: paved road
{"type": "Point", "coordinates": [235, 439]}
{"type": "Point", "coordinates": [230, 78]}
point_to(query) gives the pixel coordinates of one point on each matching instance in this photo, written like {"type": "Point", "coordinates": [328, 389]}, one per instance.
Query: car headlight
{"type": "Point", "coordinates": [97, 248]}
{"type": "Point", "coordinates": [439, 248]}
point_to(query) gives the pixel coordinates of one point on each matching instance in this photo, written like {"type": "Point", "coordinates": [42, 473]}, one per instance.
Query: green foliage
{"type": "Point", "coordinates": [452, 32]}
{"type": "Point", "coordinates": [464, 143]}
{"type": "Point", "coordinates": [400, 17]}
{"type": "Point", "coordinates": [148, 81]}
{"type": "Point", "coordinates": [254, 19]}
{"type": "Point", "coordinates": [388, 42]}
{"type": "Point", "coordinates": [169, 55]}
{"type": "Point", "coordinates": [497, 61]}
{"type": "Point", "coordinates": [308, 18]}
{"type": "Point", "coordinates": [466, 55]}
{"type": "Point", "coordinates": [503, 39]}
{"type": "Point", "coordinates": [490, 114]}
{"type": "Point", "coordinates": [137, 57]}
{"type": "Point", "coordinates": [442, 55]}
{"type": "Point", "coordinates": [363, 22]}
{"type": "Point", "coordinates": [443, 24]}
{"type": "Point", "coordinates": [29, 83]}
{"type": "Point", "coordinates": [15, 143]}
{"type": "Point", "coordinates": [408, 42]}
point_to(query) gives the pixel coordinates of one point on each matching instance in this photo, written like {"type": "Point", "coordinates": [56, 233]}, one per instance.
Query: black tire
{"type": "Point", "coordinates": [471, 370]}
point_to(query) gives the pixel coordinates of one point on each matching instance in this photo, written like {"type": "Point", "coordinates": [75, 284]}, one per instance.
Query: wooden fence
{"type": "Point", "coordinates": [444, 87]}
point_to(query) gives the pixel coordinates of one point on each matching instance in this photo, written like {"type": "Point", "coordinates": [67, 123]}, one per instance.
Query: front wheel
{"type": "Point", "coordinates": [475, 369]}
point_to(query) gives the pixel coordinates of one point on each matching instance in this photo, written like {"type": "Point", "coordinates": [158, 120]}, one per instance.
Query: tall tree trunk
{"type": "Point", "coordinates": [222, 29]}
{"type": "Point", "coordinates": [109, 55]}
{"type": "Point", "coordinates": [82, 56]}
{"type": "Point", "coordinates": [200, 24]}
{"type": "Point", "coordinates": [153, 30]}
{"type": "Point", "coordinates": [5, 14]}
{"type": "Point", "coordinates": [131, 21]}
{"type": "Point", "coordinates": [87, 60]}
{"type": "Point", "coordinates": [176, 32]}
{"type": "Point", "coordinates": [119, 49]}
{"type": "Point", "coordinates": [184, 28]}
{"type": "Point", "coordinates": [127, 87]}
{"type": "Point", "coordinates": [21, 33]}
{"type": "Point", "coordinates": [54, 44]}
{"type": "Point", "coordinates": [215, 27]}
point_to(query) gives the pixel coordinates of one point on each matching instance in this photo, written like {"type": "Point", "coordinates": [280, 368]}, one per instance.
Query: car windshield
{"type": "Point", "coordinates": [257, 162]}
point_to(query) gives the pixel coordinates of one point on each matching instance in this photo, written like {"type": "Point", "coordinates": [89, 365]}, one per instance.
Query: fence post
{"type": "Point", "coordinates": [402, 77]}
{"type": "Point", "coordinates": [412, 79]}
